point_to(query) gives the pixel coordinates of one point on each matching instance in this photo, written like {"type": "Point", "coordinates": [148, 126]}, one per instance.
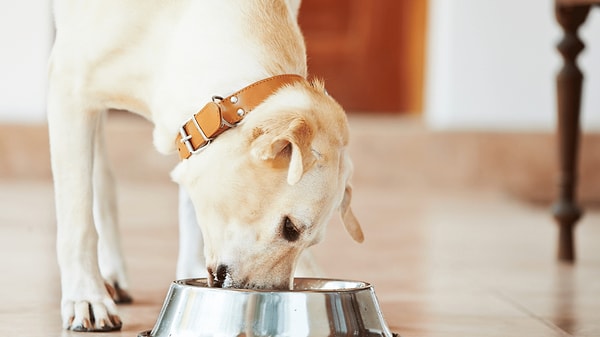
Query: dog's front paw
{"type": "Point", "coordinates": [88, 316]}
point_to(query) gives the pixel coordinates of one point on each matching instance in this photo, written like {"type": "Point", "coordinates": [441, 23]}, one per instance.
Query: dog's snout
{"type": "Point", "coordinates": [219, 278]}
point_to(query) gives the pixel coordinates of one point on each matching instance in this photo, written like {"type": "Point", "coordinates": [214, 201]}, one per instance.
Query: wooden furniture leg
{"type": "Point", "coordinates": [568, 84]}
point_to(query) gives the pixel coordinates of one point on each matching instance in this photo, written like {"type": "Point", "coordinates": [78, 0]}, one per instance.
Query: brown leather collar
{"type": "Point", "coordinates": [224, 113]}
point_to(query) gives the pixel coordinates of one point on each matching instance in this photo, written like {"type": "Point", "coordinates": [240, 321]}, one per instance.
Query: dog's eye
{"type": "Point", "coordinates": [289, 231]}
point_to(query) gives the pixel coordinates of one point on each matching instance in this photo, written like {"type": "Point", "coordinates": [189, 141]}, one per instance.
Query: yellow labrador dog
{"type": "Point", "coordinates": [263, 190]}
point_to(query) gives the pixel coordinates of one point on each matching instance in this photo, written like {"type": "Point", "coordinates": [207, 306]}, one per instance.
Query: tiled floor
{"type": "Point", "coordinates": [445, 261]}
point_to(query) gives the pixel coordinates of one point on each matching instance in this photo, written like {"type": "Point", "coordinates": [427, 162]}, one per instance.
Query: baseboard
{"type": "Point", "coordinates": [390, 151]}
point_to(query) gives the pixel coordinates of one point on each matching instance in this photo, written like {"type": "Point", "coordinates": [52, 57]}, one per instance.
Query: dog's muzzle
{"type": "Point", "coordinates": [219, 278]}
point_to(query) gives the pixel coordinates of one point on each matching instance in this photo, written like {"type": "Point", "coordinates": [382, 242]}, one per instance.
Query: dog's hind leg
{"type": "Point", "coordinates": [190, 262]}
{"type": "Point", "coordinates": [86, 304]}
{"type": "Point", "coordinates": [110, 256]}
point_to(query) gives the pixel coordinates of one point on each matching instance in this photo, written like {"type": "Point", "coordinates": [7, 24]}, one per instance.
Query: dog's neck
{"type": "Point", "coordinates": [219, 54]}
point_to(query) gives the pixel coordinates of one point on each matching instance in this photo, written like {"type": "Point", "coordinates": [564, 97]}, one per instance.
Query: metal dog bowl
{"type": "Point", "coordinates": [316, 307]}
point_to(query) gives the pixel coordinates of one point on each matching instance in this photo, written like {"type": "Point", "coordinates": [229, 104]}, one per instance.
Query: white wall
{"type": "Point", "coordinates": [25, 37]}
{"type": "Point", "coordinates": [492, 64]}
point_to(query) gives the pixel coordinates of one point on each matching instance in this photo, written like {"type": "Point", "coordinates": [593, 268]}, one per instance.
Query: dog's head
{"type": "Point", "coordinates": [265, 191]}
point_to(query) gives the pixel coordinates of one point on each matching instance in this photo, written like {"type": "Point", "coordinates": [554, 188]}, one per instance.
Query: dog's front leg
{"type": "Point", "coordinates": [110, 256]}
{"type": "Point", "coordinates": [86, 304]}
{"type": "Point", "coordinates": [190, 262]}
{"type": "Point", "coordinates": [307, 266]}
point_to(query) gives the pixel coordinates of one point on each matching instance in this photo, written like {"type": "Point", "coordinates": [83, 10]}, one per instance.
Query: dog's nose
{"type": "Point", "coordinates": [220, 277]}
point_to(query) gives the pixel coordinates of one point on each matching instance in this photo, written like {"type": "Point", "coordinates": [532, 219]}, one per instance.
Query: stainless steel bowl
{"type": "Point", "coordinates": [316, 307]}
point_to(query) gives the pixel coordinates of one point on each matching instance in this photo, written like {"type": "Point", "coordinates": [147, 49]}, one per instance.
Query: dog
{"type": "Point", "coordinates": [260, 193]}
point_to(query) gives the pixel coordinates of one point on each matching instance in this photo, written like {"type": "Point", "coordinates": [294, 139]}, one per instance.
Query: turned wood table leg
{"type": "Point", "coordinates": [568, 86]}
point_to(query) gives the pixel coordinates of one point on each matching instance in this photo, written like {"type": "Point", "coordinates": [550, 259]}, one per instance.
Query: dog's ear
{"type": "Point", "coordinates": [350, 222]}
{"type": "Point", "coordinates": [286, 142]}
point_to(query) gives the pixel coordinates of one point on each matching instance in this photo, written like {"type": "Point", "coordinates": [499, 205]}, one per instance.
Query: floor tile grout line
{"type": "Point", "coordinates": [511, 301]}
